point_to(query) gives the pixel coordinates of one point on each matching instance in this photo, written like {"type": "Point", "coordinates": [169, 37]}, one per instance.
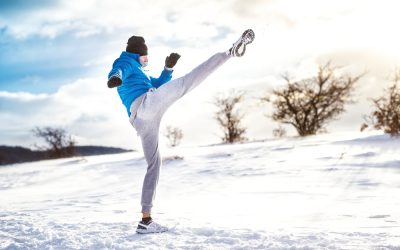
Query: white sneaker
{"type": "Point", "coordinates": [246, 38]}
{"type": "Point", "coordinates": [151, 227]}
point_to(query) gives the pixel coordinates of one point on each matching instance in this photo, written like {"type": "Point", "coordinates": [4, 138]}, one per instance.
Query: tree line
{"type": "Point", "coordinates": [308, 105]}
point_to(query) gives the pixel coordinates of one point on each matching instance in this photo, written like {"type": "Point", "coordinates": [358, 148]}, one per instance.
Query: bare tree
{"type": "Point", "coordinates": [279, 132]}
{"type": "Point", "coordinates": [386, 115]}
{"type": "Point", "coordinates": [229, 118]}
{"type": "Point", "coordinates": [310, 103]}
{"type": "Point", "coordinates": [369, 120]}
{"type": "Point", "coordinates": [174, 135]}
{"type": "Point", "coordinates": [59, 144]}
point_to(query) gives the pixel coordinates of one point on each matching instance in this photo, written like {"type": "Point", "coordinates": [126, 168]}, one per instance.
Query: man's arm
{"type": "Point", "coordinates": [166, 74]}
{"type": "Point", "coordinates": [118, 73]}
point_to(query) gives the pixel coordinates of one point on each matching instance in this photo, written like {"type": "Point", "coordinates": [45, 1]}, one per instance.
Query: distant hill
{"type": "Point", "coordinates": [97, 150]}
{"type": "Point", "coordinates": [10, 155]}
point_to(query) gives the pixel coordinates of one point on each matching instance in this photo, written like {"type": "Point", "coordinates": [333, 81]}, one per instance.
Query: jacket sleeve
{"type": "Point", "coordinates": [166, 76]}
{"type": "Point", "coordinates": [120, 68]}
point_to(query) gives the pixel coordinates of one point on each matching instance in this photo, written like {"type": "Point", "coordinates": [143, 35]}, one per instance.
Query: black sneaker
{"type": "Point", "coordinates": [150, 227]}
{"type": "Point", "coordinates": [239, 47]}
{"type": "Point", "coordinates": [114, 81]}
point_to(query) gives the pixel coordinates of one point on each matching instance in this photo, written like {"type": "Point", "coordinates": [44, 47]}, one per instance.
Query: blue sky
{"type": "Point", "coordinates": [55, 57]}
{"type": "Point", "coordinates": [42, 65]}
{"type": "Point", "coordinates": [40, 62]}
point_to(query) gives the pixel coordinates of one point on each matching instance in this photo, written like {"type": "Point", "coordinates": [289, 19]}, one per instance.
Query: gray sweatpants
{"type": "Point", "coordinates": [147, 111]}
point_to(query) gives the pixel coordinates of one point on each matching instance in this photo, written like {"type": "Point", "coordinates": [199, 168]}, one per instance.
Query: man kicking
{"type": "Point", "coordinates": [147, 98]}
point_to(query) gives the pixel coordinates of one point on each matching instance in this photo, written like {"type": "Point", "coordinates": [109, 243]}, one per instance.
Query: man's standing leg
{"type": "Point", "coordinates": [153, 158]}
{"type": "Point", "coordinates": [147, 124]}
{"type": "Point", "coordinates": [148, 130]}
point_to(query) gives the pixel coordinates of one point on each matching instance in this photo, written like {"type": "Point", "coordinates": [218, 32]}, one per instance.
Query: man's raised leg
{"type": "Point", "coordinates": [167, 94]}
{"type": "Point", "coordinates": [170, 92]}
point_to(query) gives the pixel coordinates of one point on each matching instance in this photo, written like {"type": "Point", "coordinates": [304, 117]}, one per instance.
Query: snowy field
{"type": "Point", "coordinates": [337, 191]}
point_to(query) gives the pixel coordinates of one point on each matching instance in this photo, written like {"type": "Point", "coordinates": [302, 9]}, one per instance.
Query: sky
{"type": "Point", "coordinates": [55, 57]}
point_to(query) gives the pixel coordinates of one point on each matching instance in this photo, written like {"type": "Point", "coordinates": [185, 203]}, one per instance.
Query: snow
{"type": "Point", "coordinates": [332, 191]}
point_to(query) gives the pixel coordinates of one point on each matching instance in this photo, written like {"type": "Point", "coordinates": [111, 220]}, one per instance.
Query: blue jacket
{"type": "Point", "coordinates": [135, 82]}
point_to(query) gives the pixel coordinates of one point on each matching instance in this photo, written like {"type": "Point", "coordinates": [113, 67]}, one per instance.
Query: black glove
{"type": "Point", "coordinates": [171, 60]}
{"type": "Point", "coordinates": [114, 81]}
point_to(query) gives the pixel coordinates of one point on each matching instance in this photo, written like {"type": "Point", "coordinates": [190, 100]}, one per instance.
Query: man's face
{"type": "Point", "coordinates": [144, 60]}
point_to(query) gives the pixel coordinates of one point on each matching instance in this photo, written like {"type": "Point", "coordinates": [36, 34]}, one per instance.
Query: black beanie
{"type": "Point", "coordinates": [136, 44]}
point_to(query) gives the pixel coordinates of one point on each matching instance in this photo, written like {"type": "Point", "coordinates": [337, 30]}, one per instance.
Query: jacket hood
{"type": "Point", "coordinates": [131, 55]}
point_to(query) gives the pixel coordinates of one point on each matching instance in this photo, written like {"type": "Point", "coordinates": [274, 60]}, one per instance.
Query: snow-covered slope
{"type": "Point", "coordinates": [324, 192]}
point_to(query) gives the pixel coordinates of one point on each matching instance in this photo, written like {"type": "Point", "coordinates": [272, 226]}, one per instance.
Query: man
{"type": "Point", "coordinates": [147, 98]}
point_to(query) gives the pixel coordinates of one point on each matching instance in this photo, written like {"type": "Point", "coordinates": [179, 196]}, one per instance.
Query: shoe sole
{"type": "Point", "coordinates": [151, 232]}
{"type": "Point", "coordinates": [246, 38]}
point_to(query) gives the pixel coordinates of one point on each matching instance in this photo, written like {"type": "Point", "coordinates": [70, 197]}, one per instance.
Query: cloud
{"type": "Point", "coordinates": [23, 97]}
{"type": "Point", "coordinates": [59, 43]}
{"type": "Point", "coordinates": [86, 18]}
